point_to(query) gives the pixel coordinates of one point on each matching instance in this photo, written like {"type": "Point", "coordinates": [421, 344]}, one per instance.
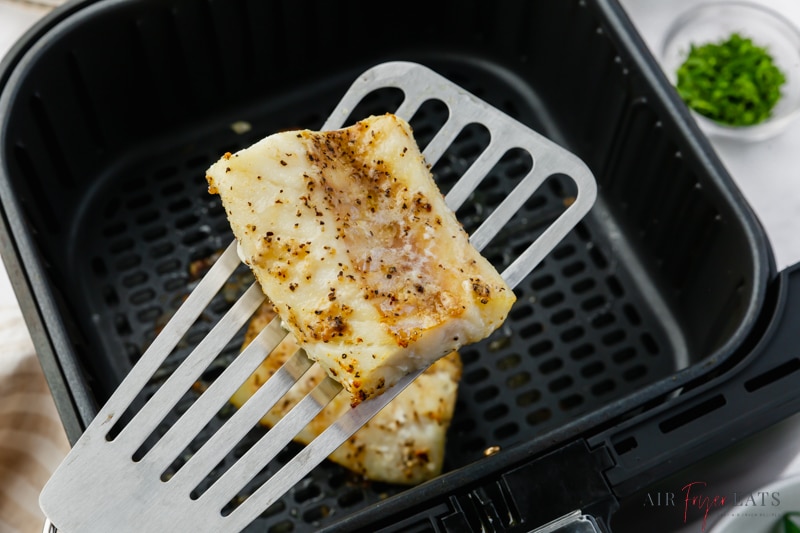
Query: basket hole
{"type": "Point", "coordinates": [139, 201]}
{"type": "Point", "coordinates": [593, 303]}
{"type": "Point", "coordinates": [315, 514]}
{"type": "Point", "coordinates": [121, 245]}
{"type": "Point", "coordinates": [541, 348]}
{"type": "Point", "coordinates": [377, 102]}
{"type": "Point", "coordinates": [508, 362]}
{"type": "Point", "coordinates": [132, 280]}
{"type": "Point", "coordinates": [148, 315]}
{"type": "Point", "coordinates": [615, 286]}
{"type": "Point", "coordinates": [132, 352]}
{"type": "Point", "coordinates": [476, 376]}
{"type": "Point", "coordinates": [147, 217]}
{"type": "Point", "coordinates": [582, 352]}
{"type": "Point", "coordinates": [624, 355]}
{"type": "Point", "coordinates": [602, 320]}
{"type": "Point", "coordinates": [603, 387]}
{"type": "Point", "coordinates": [539, 416]}
{"type": "Point", "coordinates": [114, 229]}
{"type": "Point", "coordinates": [518, 380]}
{"type": "Point", "coordinates": [528, 398]}
{"type": "Point", "coordinates": [277, 507]}
{"type": "Point", "coordinates": [141, 296]}
{"type": "Point", "coordinates": [112, 208]}
{"type": "Point", "coordinates": [583, 233]}
{"type": "Point", "coordinates": [427, 120]}
{"type": "Point", "coordinates": [164, 173]}
{"type": "Point", "coordinates": [285, 526]}
{"type": "Point", "coordinates": [469, 356]}
{"type": "Point", "coordinates": [468, 145]}
{"type": "Point", "coordinates": [561, 187]}
{"type": "Point", "coordinates": [179, 205]}
{"type": "Point", "coordinates": [350, 498]}
{"type": "Point", "coordinates": [462, 426]}
{"type": "Point", "coordinates": [186, 221]}
{"type": "Point", "coordinates": [560, 384]}
{"type": "Point", "coordinates": [551, 365]}
{"type": "Point", "coordinates": [499, 342]}
{"type": "Point", "coordinates": [487, 393]}
{"type": "Point", "coordinates": [153, 234]}
{"type": "Point", "coordinates": [172, 188]}
{"type": "Point", "coordinates": [337, 480]}
{"type": "Point", "coordinates": [198, 161]}
{"type": "Point", "coordinates": [574, 269]}
{"type": "Point", "coordinates": [170, 265]}
{"type": "Point", "coordinates": [562, 317]}
{"type": "Point", "coordinates": [535, 202]}
{"type": "Point", "coordinates": [99, 267]}
{"type": "Point", "coordinates": [194, 238]}
{"type": "Point", "coordinates": [496, 412]}
{"type": "Point", "coordinates": [532, 329]}
{"type": "Point", "coordinates": [625, 445]}
{"type": "Point", "coordinates": [771, 376]}
{"type": "Point", "coordinates": [506, 431]}
{"type": "Point", "coordinates": [475, 444]}
{"type": "Point", "coordinates": [593, 369]}
{"type": "Point", "coordinates": [110, 296]}
{"type": "Point", "coordinates": [570, 402]}
{"type": "Point", "coordinates": [563, 251]}
{"type": "Point", "coordinates": [517, 170]}
{"type": "Point", "coordinates": [161, 249]}
{"type": "Point", "coordinates": [552, 299]}
{"type": "Point", "coordinates": [520, 312]}
{"type": "Point", "coordinates": [614, 337]}
{"type": "Point", "coordinates": [693, 413]}
{"type": "Point", "coordinates": [598, 258]}
{"type": "Point", "coordinates": [542, 282]}
{"type": "Point", "coordinates": [632, 315]}
{"type": "Point", "coordinates": [127, 262]}
{"type": "Point", "coordinates": [634, 373]}
{"type": "Point", "coordinates": [122, 325]}
{"type": "Point", "coordinates": [583, 286]}
{"type": "Point", "coordinates": [649, 344]}
{"type": "Point", "coordinates": [572, 334]}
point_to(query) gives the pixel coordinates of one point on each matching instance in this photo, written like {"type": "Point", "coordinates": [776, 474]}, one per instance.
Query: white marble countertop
{"type": "Point", "coordinates": [766, 172]}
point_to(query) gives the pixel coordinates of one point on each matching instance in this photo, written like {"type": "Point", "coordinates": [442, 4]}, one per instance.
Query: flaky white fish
{"type": "Point", "coordinates": [351, 240]}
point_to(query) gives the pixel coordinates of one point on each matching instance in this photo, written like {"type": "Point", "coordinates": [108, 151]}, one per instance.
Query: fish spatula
{"type": "Point", "coordinates": [103, 485]}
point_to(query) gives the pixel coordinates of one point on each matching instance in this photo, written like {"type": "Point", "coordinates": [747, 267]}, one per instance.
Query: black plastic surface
{"type": "Point", "coordinates": [758, 392]}
{"type": "Point", "coordinates": [131, 101]}
{"type": "Point", "coordinates": [517, 500]}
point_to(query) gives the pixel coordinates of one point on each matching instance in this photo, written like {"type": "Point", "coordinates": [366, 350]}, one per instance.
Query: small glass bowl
{"type": "Point", "coordinates": [716, 21]}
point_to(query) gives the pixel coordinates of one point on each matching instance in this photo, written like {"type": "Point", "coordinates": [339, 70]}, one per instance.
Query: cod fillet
{"type": "Point", "coordinates": [352, 242]}
{"type": "Point", "coordinates": [404, 443]}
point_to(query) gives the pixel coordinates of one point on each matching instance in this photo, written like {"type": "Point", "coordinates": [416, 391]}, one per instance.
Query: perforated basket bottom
{"type": "Point", "coordinates": [580, 336]}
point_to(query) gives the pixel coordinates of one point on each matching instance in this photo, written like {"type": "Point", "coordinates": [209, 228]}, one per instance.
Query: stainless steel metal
{"type": "Point", "coordinates": [101, 487]}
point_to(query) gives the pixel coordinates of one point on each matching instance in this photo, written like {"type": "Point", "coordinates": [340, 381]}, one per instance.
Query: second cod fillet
{"type": "Point", "coordinates": [351, 240]}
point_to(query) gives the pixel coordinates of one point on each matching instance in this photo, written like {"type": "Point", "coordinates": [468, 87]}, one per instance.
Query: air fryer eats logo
{"type": "Point", "coordinates": [695, 500]}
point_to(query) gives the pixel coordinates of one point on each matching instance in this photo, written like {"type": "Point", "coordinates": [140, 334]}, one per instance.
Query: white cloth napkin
{"type": "Point", "coordinates": [32, 439]}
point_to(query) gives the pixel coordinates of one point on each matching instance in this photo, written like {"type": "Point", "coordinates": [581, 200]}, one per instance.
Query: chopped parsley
{"type": "Point", "coordinates": [733, 81]}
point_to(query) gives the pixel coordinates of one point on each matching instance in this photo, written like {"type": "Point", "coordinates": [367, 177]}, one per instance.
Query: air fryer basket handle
{"type": "Point", "coordinates": [759, 391]}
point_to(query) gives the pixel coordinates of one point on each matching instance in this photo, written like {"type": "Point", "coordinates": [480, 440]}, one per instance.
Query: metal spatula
{"type": "Point", "coordinates": [104, 486]}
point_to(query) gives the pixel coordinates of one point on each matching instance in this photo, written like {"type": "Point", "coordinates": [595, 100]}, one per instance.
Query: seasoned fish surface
{"type": "Point", "coordinates": [404, 443]}
{"type": "Point", "coordinates": [351, 240]}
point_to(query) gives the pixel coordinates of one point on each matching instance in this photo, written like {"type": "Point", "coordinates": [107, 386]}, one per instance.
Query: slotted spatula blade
{"type": "Point", "coordinates": [103, 485]}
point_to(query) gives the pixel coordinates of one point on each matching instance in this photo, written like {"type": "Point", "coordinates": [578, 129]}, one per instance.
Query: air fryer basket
{"type": "Point", "coordinates": [114, 109]}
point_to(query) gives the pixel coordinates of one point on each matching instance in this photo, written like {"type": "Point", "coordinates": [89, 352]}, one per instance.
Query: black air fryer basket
{"type": "Point", "coordinates": [655, 334]}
